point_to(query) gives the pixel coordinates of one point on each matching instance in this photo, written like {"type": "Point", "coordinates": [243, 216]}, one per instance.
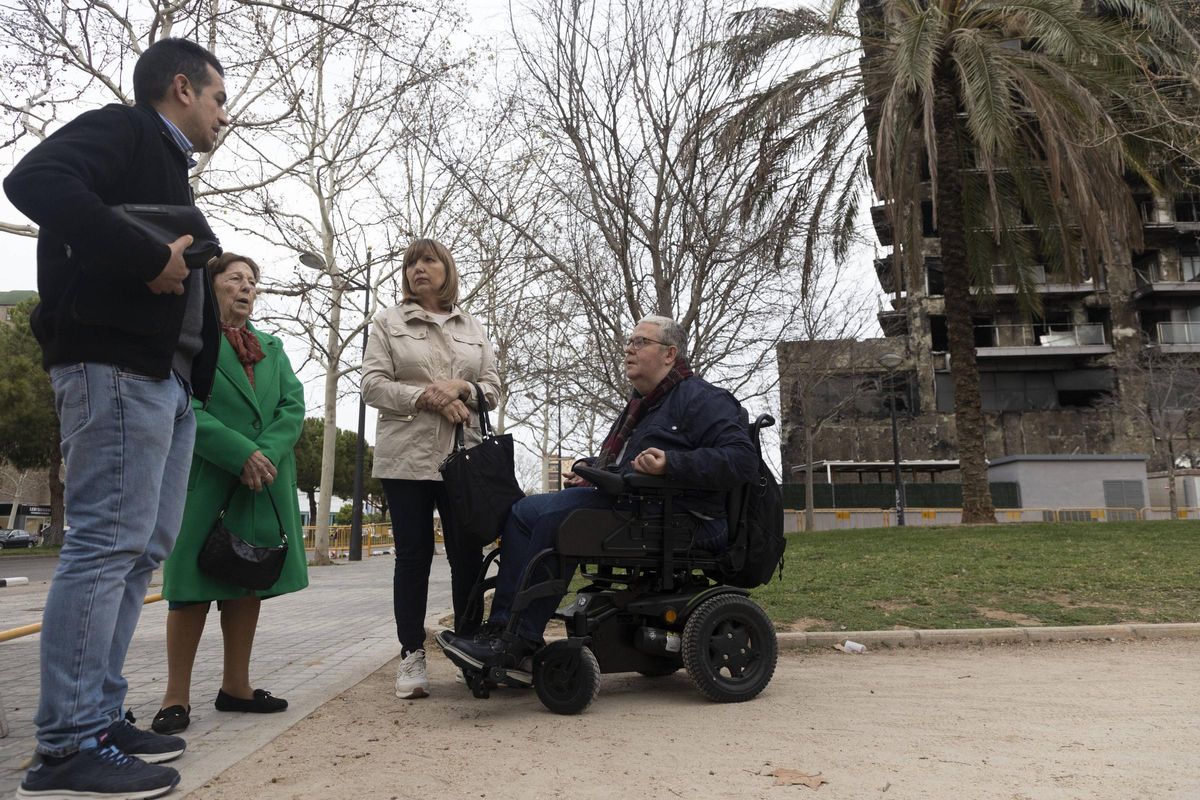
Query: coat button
{"type": "Point", "coordinates": [256, 425]}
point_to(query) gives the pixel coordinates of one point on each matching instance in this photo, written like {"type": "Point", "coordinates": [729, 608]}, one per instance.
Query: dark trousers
{"type": "Point", "coordinates": [411, 504]}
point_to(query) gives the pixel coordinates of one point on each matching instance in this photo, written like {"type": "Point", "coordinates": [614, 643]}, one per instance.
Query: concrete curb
{"type": "Point", "coordinates": [805, 640]}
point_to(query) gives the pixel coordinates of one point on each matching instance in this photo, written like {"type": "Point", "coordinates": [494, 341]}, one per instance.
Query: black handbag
{"type": "Point", "coordinates": [480, 482]}
{"type": "Point", "coordinates": [230, 558]}
{"type": "Point", "coordinates": [165, 224]}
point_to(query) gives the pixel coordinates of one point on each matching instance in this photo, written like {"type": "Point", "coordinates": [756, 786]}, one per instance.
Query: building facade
{"type": "Point", "coordinates": [1061, 382]}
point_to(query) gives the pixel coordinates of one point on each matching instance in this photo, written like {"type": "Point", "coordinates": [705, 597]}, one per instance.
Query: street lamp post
{"type": "Point", "coordinates": [558, 446]}
{"type": "Point", "coordinates": [356, 513]}
{"type": "Point", "coordinates": [890, 361]}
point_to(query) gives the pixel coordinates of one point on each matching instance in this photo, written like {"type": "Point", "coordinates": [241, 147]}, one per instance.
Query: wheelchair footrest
{"type": "Point", "coordinates": [481, 680]}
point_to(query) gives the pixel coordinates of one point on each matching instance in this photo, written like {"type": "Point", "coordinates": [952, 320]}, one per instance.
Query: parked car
{"type": "Point", "coordinates": [16, 538]}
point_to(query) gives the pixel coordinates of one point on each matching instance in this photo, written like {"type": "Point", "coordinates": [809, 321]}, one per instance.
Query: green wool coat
{"type": "Point", "coordinates": [238, 420]}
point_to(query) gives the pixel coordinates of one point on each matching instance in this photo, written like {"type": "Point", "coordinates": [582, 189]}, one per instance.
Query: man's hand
{"type": "Point", "coordinates": [258, 471]}
{"type": "Point", "coordinates": [651, 461]}
{"type": "Point", "coordinates": [456, 411]}
{"type": "Point", "coordinates": [573, 481]}
{"type": "Point", "coordinates": [170, 280]}
{"type": "Point", "coordinates": [439, 394]}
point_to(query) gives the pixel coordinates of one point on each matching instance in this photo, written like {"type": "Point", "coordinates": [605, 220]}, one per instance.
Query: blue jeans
{"type": "Point", "coordinates": [531, 527]}
{"type": "Point", "coordinates": [127, 447]}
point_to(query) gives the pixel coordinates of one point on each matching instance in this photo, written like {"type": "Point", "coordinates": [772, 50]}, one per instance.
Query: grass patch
{"type": "Point", "coordinates": [29, 551]}
{"type": "Point", "coordinates": [988, 576]}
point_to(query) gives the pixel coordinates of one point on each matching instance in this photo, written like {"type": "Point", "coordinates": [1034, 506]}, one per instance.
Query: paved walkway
{"type": "Point", "coordinates": [311, 645]}
{"type": "Point", "coordinates": [315, 644]}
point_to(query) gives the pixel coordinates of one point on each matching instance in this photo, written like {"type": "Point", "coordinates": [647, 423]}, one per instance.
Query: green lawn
{"type": "Point", "coordinates": [988, 576]}
{"type": "Point", "coordinates": [28, 551]}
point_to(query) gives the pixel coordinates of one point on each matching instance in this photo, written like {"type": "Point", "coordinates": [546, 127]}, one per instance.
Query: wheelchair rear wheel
{"type": "Point", "coordinates": [729, 648]}
{"type": "Point", "coordinates": [566, 677]}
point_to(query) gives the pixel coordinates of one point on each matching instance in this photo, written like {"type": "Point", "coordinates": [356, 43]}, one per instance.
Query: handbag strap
{"type": "Point", "coordinates": [275, 508]}
{"type": "Point", "coordinates": [485, 421]}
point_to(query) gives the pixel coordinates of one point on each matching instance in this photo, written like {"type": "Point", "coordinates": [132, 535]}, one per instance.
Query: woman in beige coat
{"type": "Point", "coordinates": [421, 359]}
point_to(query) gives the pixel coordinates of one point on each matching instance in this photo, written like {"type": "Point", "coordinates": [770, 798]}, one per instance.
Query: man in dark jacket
{"type": "Point", "coordinates": [676, 425]}
{"type": "Point", "coordinates": [127, 334]}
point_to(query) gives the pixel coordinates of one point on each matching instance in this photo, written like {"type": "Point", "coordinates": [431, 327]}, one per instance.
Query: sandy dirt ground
{"type": "Point", "coordinates": [1111, 720]}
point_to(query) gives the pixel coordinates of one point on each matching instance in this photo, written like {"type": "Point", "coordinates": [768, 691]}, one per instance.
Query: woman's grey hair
{"type": "Point", "coordinates": [672, 332]}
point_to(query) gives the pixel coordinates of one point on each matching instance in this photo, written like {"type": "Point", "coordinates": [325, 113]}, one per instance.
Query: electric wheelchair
{"type": "Point", "coordinates": [654, 605]}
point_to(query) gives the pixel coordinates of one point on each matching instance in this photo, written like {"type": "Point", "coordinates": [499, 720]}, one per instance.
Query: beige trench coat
{"type": "Point", "coordinates": [406, 351]}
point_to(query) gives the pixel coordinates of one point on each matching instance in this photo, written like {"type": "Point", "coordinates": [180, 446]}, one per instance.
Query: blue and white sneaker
{"type": "Point", "coordinates": [99, 772]}
{"type": "Point", "coordinates": [153, 748]}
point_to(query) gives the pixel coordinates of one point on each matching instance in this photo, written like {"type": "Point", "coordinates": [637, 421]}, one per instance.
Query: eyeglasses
{"type": "Point", "coordinates": [638, 342]}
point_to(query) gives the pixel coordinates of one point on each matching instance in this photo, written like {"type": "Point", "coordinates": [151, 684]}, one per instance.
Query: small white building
{"type": "Point", "coordinates": [1078, 481]}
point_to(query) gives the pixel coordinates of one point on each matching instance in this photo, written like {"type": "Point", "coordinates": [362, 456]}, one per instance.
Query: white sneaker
{"type": "Point", "coordinates": [411, 680]}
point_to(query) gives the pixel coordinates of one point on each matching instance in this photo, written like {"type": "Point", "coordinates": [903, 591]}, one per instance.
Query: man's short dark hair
{"type": "Point", "coordinates": [166, 58]}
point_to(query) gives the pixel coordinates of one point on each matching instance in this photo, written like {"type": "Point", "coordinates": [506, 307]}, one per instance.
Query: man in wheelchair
{"type": "Point", "coordinates": [675, 425]}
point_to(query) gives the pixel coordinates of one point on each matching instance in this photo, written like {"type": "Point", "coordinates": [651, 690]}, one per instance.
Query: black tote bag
{"type": "Point", "coordinates": [480, 481]}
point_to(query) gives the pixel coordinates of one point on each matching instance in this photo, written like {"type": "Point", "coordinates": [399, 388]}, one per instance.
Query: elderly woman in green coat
{"type": "Point", "coordinates": [245, 440]}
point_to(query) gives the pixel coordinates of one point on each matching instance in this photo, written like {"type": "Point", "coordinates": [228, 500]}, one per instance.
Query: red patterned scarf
{"type": "Point", "coordinates": [636, 409]}
{"type": "Point", "coordinates": [245, 344]}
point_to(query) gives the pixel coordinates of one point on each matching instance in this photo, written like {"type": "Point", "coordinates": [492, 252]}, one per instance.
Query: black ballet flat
{"type": "Point", "coordinates": [171, 719]}
{"type": "Point", "coordinates": [262, 703]}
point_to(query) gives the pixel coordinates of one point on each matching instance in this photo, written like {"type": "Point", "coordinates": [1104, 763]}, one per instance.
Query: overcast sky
{"type": "Point", "coordinates": [18, 268]}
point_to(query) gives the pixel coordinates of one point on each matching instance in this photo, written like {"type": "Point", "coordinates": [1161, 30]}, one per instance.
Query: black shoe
{"type": "Point", "coordinates": [262, 703]}
{"type": "Point", "coordinates": [172, 719]}
{"type": "Point", "coordinates": [100, 772]}
{"type": "Point", "coordinates": [153, 748]}
{"type": "Point", "coordinates": [485, 652]}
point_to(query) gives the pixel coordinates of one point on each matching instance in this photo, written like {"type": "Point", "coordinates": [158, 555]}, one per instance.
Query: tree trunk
{"type": "Point", "coordinates": [1174, 500]}
{"type": "Point", "coordinates": [810, 517]}
{"type": "Point", "coordinates": [16, 500]}
{"type": "Point", "coordinates": [58, 517]}
{"type": "Point", "coordinates": [329, 436]}
{"type": "Point", "coordinates": [968, 410]}
{"type": "Point", "coordinates": [312, 507]}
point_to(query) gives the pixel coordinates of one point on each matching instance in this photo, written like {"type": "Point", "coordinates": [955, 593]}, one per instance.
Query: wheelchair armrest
{"type": "Point", "coordinates": [615, 483]}
{"type": "Point", "coordinates": [640, 482]}
{"type": "Point", "coordinates": [605, 481]}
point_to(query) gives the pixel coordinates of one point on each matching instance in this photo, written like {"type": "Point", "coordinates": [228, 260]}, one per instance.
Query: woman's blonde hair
{"type": "Point", "coordinates": [448, 295]}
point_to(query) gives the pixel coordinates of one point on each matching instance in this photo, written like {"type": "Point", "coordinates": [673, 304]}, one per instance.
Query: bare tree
{"type": "Point", "coordinates": [827, 368]}
{"type": "Point", "coordinates": [330, 197]}
{"type": "Point", "coordinates": [628, 200]}
{"type": "Point", "coordinates": [317, 96]}
{"type": "Point", "coordinates": [1166, 398]}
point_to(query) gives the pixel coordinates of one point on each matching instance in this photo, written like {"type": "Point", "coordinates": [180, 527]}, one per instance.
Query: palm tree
{"type": "Point", "coordinates": [1024, 118]}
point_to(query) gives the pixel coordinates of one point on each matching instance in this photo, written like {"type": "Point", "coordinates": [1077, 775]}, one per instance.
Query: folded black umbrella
{"type": "Point", "coordinates": [165, 223]}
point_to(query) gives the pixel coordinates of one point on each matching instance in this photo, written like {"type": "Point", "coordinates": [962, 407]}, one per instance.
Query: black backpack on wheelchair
{"type": "Point", "coordinates": [654, 604]}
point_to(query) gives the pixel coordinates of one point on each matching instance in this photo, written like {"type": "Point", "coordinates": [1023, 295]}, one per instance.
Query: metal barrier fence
{"type": "Point", "coordinates": [377, 539]}
{"type": "Point", "coordinates": [831, 519]}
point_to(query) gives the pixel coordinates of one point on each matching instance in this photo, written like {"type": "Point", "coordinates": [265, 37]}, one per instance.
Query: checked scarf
{"type": "Point", "coordinates": [636, 409]}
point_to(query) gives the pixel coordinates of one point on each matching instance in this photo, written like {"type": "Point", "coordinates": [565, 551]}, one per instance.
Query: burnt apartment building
{"type": "Point", "coordinates": [1050, 383]}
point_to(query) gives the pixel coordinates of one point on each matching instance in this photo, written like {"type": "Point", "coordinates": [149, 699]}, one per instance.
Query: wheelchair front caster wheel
{"type": "Point", "coordinates": [480, 687]}
{"type": "Point", "coordinates": [567, 678]}
{"type": "Point", "coordinates": [729, 648]}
